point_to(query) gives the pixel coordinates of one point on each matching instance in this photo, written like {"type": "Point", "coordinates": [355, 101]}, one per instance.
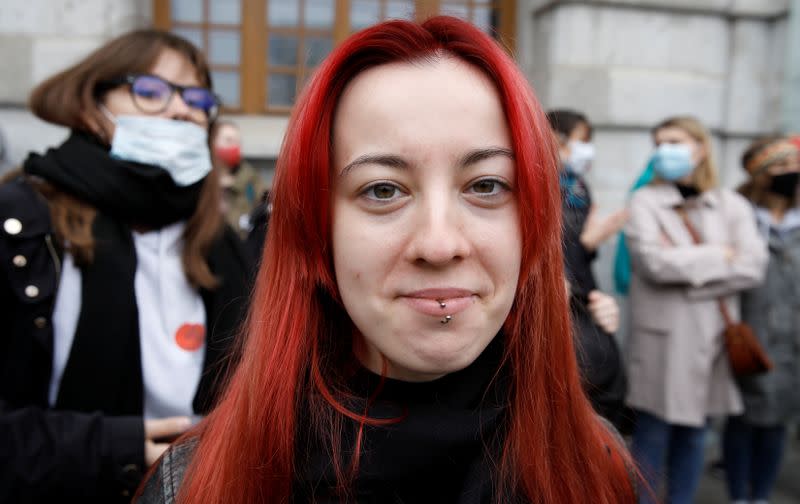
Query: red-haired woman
{"type": "Point", "coordinates": [409, 337]}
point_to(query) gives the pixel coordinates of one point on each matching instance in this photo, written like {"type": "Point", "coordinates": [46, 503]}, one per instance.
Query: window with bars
{"type": "Point", "coordinates": [261, 52]}
{"type": "Point", "coordinates": [216, 27]}
{"type": "Point", "coordinates": [482, 13]}
{"type": "Point", "coordinates": [299, 35]}
{"type": "Point", "coordinates": [364, 13]}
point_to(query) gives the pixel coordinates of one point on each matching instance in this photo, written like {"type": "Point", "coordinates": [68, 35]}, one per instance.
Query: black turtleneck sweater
{"type": "Point", "coordinates": [436, 452]}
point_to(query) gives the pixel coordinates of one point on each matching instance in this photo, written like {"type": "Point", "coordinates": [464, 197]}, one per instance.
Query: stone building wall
{"type": "Point", "coordinates": [630, 63]}
{"type": "Point", "coordinates": [40, 37]}
{"type": "Point", "coordinates": [626, 63]}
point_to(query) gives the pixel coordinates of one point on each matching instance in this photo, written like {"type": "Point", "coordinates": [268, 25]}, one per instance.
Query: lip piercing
{"type": "Point", "coordinates": [442, 304]}
{"type": "Point", "coordinates": [447, 319]}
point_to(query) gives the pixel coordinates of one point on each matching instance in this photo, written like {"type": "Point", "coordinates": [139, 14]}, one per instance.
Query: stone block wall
{"type": "Point", "coordinates": [628, 64]}
{"type": "Point", "coordinates": [40, 37]}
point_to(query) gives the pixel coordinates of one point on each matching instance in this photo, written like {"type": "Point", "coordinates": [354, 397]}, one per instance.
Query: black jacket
{"type": "Point", "coordinates": [575, 206]}
{"type": "Point", "coordinates": [49, 454]}
{"type": "Point", "coordinates": [597, 352]}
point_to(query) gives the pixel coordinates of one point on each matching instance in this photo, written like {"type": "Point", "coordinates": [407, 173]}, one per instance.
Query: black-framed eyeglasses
{"type": "Point", "coordinates": [152, 94]}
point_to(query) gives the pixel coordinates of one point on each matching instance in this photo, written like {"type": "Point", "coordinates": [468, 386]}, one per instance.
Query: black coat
{"type": "Point", "coordinates": [97, 455]}
{"type": "Point", "coordinates": [597, 352]}
{"type": "Point", "coordinates": [575, 205]}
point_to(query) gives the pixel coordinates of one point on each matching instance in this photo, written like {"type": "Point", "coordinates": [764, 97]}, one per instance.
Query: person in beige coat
{"type": "Point", "coordinates": [678, 369]}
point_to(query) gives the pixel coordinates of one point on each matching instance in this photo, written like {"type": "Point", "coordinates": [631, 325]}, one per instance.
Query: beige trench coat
{"type": "Point", "coordinates": [677, 366]}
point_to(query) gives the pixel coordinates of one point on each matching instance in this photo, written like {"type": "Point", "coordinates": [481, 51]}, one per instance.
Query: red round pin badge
{"type": "Point", "coordinates": [190, 337]}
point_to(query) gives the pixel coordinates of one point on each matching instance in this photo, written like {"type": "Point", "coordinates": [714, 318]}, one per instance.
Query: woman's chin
{"type": "Point", "coordinates": [435, 359]}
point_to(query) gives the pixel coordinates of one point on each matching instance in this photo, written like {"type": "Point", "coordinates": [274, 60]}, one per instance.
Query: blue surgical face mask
{"type": "Point", "coordinates": [179, 147]}
{"type": "Point", "coordinates": [672, 161]}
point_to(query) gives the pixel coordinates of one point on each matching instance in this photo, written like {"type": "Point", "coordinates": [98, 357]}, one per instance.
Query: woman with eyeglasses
{"type": "Point", "coordinates": [121, 289]}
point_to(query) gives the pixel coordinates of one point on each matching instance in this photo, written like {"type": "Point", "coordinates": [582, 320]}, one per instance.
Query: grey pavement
{"type": "Point", "coordinates": [787, 491]}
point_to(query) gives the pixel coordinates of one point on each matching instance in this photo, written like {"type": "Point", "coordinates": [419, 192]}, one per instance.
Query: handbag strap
{"type": "Point", "coordinates": [697, 239]}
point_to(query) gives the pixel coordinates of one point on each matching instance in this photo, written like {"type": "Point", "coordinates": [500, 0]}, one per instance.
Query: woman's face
{"type": "Point", "coordinates": [173, 67]}
{"type": "Point", "coordinates": [675, 135]}
{"type": "Point", "coordinates": [227, 136]}
{"type": "Point", "coordinates": [425, 223]}
{"type": "Point", "coordinates": [580, 133]}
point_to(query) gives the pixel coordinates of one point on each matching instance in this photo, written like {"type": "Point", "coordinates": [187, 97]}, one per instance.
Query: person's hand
{"type": "Point", "coordinates": [604, 311]}
{"type": "Point", "coordinates": [156, 431]}
{"type": "Point", "coordinates": [598, 229]}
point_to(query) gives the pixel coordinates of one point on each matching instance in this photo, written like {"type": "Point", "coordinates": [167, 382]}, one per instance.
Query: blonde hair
{"type": "Point", "coordinates": [705, 175]}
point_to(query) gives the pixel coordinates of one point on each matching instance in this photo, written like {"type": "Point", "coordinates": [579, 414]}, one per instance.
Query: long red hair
{"type": "Point", "coordinates": [555, 449]}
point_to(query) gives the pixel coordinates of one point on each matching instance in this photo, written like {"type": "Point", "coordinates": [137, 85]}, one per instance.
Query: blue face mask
{"type": "Point", "coordinates": [672, 161]}
{"type": "Point", "coordinates": [179, 147]}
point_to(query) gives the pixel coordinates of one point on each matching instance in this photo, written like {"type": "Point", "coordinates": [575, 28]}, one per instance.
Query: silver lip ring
{"type": "Point", "coordinates": [442, 304]}
{"type": "Point", "coordinates": [446, 319]}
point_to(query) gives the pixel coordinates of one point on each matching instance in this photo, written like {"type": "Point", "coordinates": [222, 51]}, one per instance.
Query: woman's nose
{"type": "Point", "coordinates": [178, 109]}
{"type": "Point", "coordinates": [439, 234]}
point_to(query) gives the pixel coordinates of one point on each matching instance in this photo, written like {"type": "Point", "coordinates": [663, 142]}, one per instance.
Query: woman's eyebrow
{"type": "Point", "coordinates": [479, 155]}
{"type": "Point", "coordinates": [395, 161]}
{"type": "Point", "coordinates": [390, 160]}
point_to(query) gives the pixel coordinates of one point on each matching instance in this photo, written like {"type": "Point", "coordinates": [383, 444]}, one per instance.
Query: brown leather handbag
{"type": "Point", "coordinates": [744, 350]}
{"type": "Point", "coordinates": [745, 353]}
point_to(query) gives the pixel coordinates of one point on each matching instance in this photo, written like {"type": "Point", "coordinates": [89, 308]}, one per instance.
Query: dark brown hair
{"type": "Point", "coordinates": [70, 98]}
{"type": "Point", "coordinates": [564, 121]}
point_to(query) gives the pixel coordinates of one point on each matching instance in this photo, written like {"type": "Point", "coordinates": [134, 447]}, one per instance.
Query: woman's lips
{"type": "Point", "coordinates": [430, 301]}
